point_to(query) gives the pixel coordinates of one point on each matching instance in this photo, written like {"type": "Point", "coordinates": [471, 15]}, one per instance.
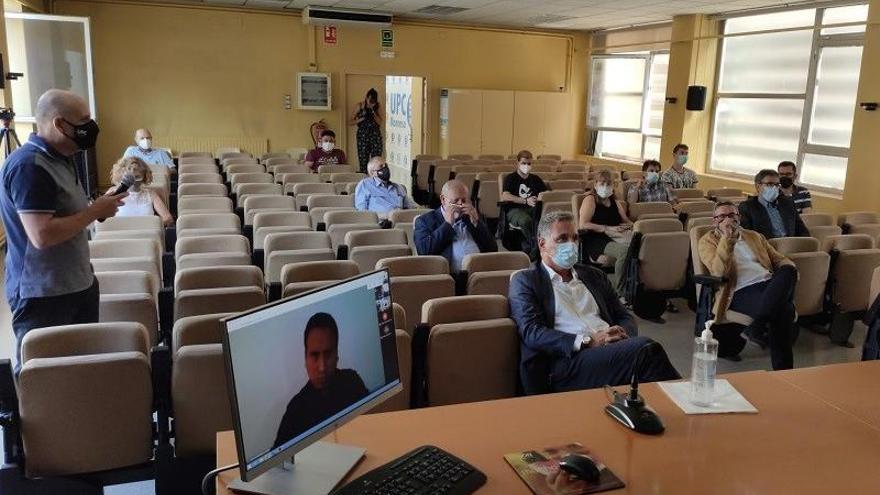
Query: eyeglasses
{"type": "Point", "coordinates": [772, 184]}
{"type": "Point", "coordinates": [726, 215]}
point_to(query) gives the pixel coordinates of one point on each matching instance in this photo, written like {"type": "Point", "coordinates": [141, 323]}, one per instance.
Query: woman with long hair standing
{"type": "Point", "coordinates": [368, 118]}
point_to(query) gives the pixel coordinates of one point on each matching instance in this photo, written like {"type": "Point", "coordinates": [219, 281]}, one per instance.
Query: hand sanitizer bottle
{"type": "Point", "coordinates": [704, 367]}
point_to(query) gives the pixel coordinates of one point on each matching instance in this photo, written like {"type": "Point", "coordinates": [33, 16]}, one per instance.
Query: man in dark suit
{"type": "Point", "coordinates": [454, 230]}
{"type": "Point", "coordinates": [574, 332]}
{"type": "Point", "coordinates": [770, 213]}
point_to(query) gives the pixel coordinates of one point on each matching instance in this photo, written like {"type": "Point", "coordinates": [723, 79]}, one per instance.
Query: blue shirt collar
{"type": "Point", "coordinates": [45, 147]}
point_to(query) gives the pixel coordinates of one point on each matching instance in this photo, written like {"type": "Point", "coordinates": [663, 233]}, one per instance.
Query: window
{"type": "Point", "coordinates": [627, 97]}
{"type": "Point", "coordinates": [788, 95]}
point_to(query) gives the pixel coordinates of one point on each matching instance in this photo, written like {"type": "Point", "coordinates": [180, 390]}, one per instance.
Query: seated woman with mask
{"type": "Point", "coordinates": [141, 200]}
{"type": "Point", "coordinates": [608, 228]}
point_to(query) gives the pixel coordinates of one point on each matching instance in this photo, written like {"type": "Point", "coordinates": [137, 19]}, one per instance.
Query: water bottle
{"type": "Point", "coordinates": [704, 367]}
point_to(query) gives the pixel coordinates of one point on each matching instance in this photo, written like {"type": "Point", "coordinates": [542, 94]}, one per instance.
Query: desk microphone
{"type": "Point", "coordinates": [127, 181]}
{"type": "Point", "coordinates": [630, 409]}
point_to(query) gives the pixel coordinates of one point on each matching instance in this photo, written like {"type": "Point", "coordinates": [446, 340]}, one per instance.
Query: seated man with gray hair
{"type": "Point", "coordinates": [454, 230]}
{"type": "Point", "coordinates": [377, 192]}
{"type": "Point", "coordinates": [144, 150]}
{"type": "Point", "coordinates": [574, 332]}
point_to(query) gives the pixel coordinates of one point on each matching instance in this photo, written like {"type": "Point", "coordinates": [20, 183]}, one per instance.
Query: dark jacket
{"type": "Point", "coordinates": [432, 235]}
{"type": "Point", "coordinates": [754, 217]}
{"type": "Point", "coordinates": [533, 308]}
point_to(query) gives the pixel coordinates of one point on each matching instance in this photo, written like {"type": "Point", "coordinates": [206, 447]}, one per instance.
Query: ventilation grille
{"type": "Point", "coordinates": [439, 10]}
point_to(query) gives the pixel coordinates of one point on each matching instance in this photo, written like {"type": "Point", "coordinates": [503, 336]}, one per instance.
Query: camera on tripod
{"type": "Point", "coordinates": [6, 114]}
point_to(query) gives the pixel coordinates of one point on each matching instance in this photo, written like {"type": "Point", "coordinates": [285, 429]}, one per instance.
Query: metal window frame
{"type": "Point", "coordinates": [87, 34]}
{"type": "Point", "coordinates": [819, 42]}
{"type": "Point", "coordinates": [646, 86]}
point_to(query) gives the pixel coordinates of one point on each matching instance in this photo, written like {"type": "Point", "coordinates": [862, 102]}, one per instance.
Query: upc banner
{"type": "Point", "coordinates": [398, 127]}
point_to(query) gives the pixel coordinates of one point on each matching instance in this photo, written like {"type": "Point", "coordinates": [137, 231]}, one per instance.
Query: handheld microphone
{"type": "Point", "coordinates": [127, 181]}
{"type": "Point", "coordinates": [630, 409]}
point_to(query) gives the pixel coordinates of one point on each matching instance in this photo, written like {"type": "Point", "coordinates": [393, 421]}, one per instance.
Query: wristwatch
{"type": "Point", "coordinates": [585, 342]}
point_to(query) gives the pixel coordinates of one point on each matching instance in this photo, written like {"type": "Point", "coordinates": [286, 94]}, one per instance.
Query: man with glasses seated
{"type": "Point", "coordinates": [760, 283]}
{"type": "Point", "coordinates": [769, 213]}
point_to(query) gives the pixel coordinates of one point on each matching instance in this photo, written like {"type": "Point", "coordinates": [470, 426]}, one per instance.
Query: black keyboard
{"type": "Point", "coordinates": [425, 470]}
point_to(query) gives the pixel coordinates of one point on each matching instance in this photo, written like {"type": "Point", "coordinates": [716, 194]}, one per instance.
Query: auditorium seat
{"type": "Point", "coordinates": [185, 190]}
{"type": "Point", "coordinates": [317, 214]}
{"type": "Point", "coordinates": [342, 181]}
{"type": "Point", "coordinates": [489, 273]}
{"type": "Point", "coordinates": [550, 157]}
{"type": "Point", "coordinates": [196, 302]}
{"type": "Point", "coordinates": [290, 180]}
{"type": "Point", "coordinates": [211, 250]}
{"type": "Point", "coordinates": [567, 185]}
{"type": "Point", "coordinates": [129, 296]}
{"type": "Point", "coordinates": [406, 216]}
{"type": "Point", "coordinates": [248, 178]}
{"type": "Point", "coordinates": [327, 170]}
{"type": "Point", "coordinates": [266, 223]}
{"type": "Point", "coordinates": [423, 167]}
{"type": "Point", "coordinates": [637, 210]}
{"type": "Point", "coordinates": [414, 280]}
{"type": "Point", "coordinates": [278, 170]}
{"type": "Point", "coordinates": [129, 250]}
{"type": "Point", "coordinates": [660, 251]}
{"type": "Point", "coordinates": [338, 223]}
{"type": "Point", "coordinates": [853, 261]}
{"type": "Point", "coordinates": [200, 178]}
{"type": "Point", "coordinates": [243, 168]}
{"type": "Point", "coordinates": [492, 157]}
{"type": "Point", "coordinates": [330, 200]}
{"type": "Point", "coordinates": [292, 247]}
{"type": "Point", "coordinates": [723, 192]}
{"type": "Point", "coordinates": [195, 154]}
{"type": "Point", "coordinates": [203, 204]}
{"type": "Point", "coordinates": [197, 330]}
{"type": "Point", "coordinates": [197, 168]}
{"type": "Point", "coordinates": [694, 209]}
{"type": "Point", "coordinates": [812, 265]}
{"type": "Point", "coordinates": [303, 190]}
{"type": "Point", "coordinates": [844, 242]}
{"type": "Point", "coordinates": [472, 349]}
{"type": "Point", "coordinates": [200, 399]}
{"type": "Point", "coordinates": [816, 219]}
{"type": "Point", "coordinates": [266, 204]}
{"type": "Point", "coordinates": [575, 175]}
{"type": "Point", "coordinates": [687, 195]}
{"type": "Point", "coordinates": [821, 232]}
{"type": "Point", "coordinates": [366, 247]}
{"type": "Point", "coordinates": [142, 224]}
{"type": "Point", "coordinates": [471, 167]}
{"type": "Point", "coordinates": [400, 401]}
{"type": "Point", "coordinates": [460, 157]}
{"type": "Point", "coordinates": [307, 275]}
{"type": "Point", "coordinates": [201, 224]}
{"type": "Point", "coordinates": [246, 190]}
{"type": "Point", "coordinates": [85, 399]}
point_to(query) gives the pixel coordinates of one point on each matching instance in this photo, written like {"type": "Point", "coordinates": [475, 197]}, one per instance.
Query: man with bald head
{"type": "Point", "coordinates": [377, 192]}
{"type": "Point", "coordinates": [49, 280]}
{"type": "Point", "coordinates": [454, 230]}
{"type": "Point", "coordinates": [144, 150]}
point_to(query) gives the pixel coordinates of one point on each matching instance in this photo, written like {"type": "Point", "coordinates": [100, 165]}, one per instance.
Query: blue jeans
{"type": "Point", "coordinates": [38, 312]}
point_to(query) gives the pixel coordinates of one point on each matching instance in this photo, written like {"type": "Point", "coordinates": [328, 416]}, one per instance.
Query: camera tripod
{"type": "Point", "coordinates": [8, 139]}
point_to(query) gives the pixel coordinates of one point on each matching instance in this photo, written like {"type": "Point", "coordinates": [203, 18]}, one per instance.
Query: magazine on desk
{"type": "Point", "coordinates": [539, 469]}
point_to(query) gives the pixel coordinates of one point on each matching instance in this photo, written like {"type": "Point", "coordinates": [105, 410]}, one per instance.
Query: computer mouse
{"type": "Point", "coordinates": [581, 466]}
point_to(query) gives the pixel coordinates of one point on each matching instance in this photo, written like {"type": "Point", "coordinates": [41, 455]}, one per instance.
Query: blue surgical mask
{"type": "Point", "coordinates": [770, 193]}
{"type": "Point", "coordinates": [652, 177]}
{"type": "Point", "coordinates": [681, 159]}
{"type": "Point", "coordinates": [566, 255]}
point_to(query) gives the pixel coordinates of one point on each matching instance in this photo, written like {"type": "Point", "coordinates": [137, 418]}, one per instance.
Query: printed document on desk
{"type": "Point", "coordinates": [727, 399]}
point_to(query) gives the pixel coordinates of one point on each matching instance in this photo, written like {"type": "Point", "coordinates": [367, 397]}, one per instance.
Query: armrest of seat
{"type": "Point", "coordinates": [342, 252]}
{"type": "Point", "coordinates": [170, 238]}
{"type": "Point", "coordinates": [709, 280]}
{"type": "Point", "coordinates": [321, 227]}
{"type": "Point", "coordinates": [9, 417]}
{"type": "Point", "coordinates": [169, 268]}
{"type": "Point", "coordinates": [166, 313]}
{"type": "Point", "coordinates": [258, 257]}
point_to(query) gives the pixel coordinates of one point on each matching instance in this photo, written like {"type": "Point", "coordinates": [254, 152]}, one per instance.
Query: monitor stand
{"type": "Point", "coordinates": [317, 470]}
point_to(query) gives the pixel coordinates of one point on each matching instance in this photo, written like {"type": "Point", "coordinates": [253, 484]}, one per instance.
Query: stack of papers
{"type": "Point", "coordinates": [727, 399]}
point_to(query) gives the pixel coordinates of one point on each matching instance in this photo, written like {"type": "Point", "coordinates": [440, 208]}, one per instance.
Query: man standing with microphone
{"type": "Point", "coordinates": [49, 279]}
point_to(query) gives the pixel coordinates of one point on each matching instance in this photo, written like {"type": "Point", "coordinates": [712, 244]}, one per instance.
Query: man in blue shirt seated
{"type": "Point", "coordinates": [377, 192]}
{"type": "Point", "coordinates": [144, 150]}
{"type": "Point", "coordinates": [49, 279]}
{"type": "Point", "coordinates": [454, 230]}
{"type": "Point", "coordinates": [574, 332]}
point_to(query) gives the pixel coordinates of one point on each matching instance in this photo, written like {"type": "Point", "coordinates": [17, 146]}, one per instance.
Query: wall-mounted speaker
{"type": "Point", "coordinates": [696, 99]}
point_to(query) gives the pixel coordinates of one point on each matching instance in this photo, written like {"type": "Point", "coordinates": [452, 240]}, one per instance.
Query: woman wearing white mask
{"type": "Point", "coordinates": [326, 152]}
{"type": "Point", "coordinates": [651, 189]}
{"type": "Point", "coordinates": [141, 201]}
{"type": "Point", "coordinates": [608, 228]}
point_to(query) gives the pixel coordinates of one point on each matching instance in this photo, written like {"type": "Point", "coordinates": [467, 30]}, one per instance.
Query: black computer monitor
{"type": "Point", "coordinates": [303, 366]}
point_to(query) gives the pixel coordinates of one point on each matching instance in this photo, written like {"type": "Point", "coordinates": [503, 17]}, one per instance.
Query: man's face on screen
{"type": "Point", "coordinates": [321, 357]}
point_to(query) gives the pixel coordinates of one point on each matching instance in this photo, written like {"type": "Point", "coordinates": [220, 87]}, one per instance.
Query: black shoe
{"type": "Point", "coordinates": [757, 336]}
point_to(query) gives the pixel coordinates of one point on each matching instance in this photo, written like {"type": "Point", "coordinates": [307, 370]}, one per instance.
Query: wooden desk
{"type": "Point", "coordinates": [796, 444]}
{"type": "Point", "coordinates": [853, 388]}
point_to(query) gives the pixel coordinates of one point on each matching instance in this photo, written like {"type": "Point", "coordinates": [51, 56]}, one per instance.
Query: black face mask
{"type": "Point", "coordinates": [384, 174]}
{"type": "Point", "coordinates": [84, 135]}
{"type": "Point", "coordinates": [786, 182]}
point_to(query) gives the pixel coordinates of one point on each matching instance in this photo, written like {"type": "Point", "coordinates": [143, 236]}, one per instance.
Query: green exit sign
{"type": "Point", "coordinates": [387, 38]}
